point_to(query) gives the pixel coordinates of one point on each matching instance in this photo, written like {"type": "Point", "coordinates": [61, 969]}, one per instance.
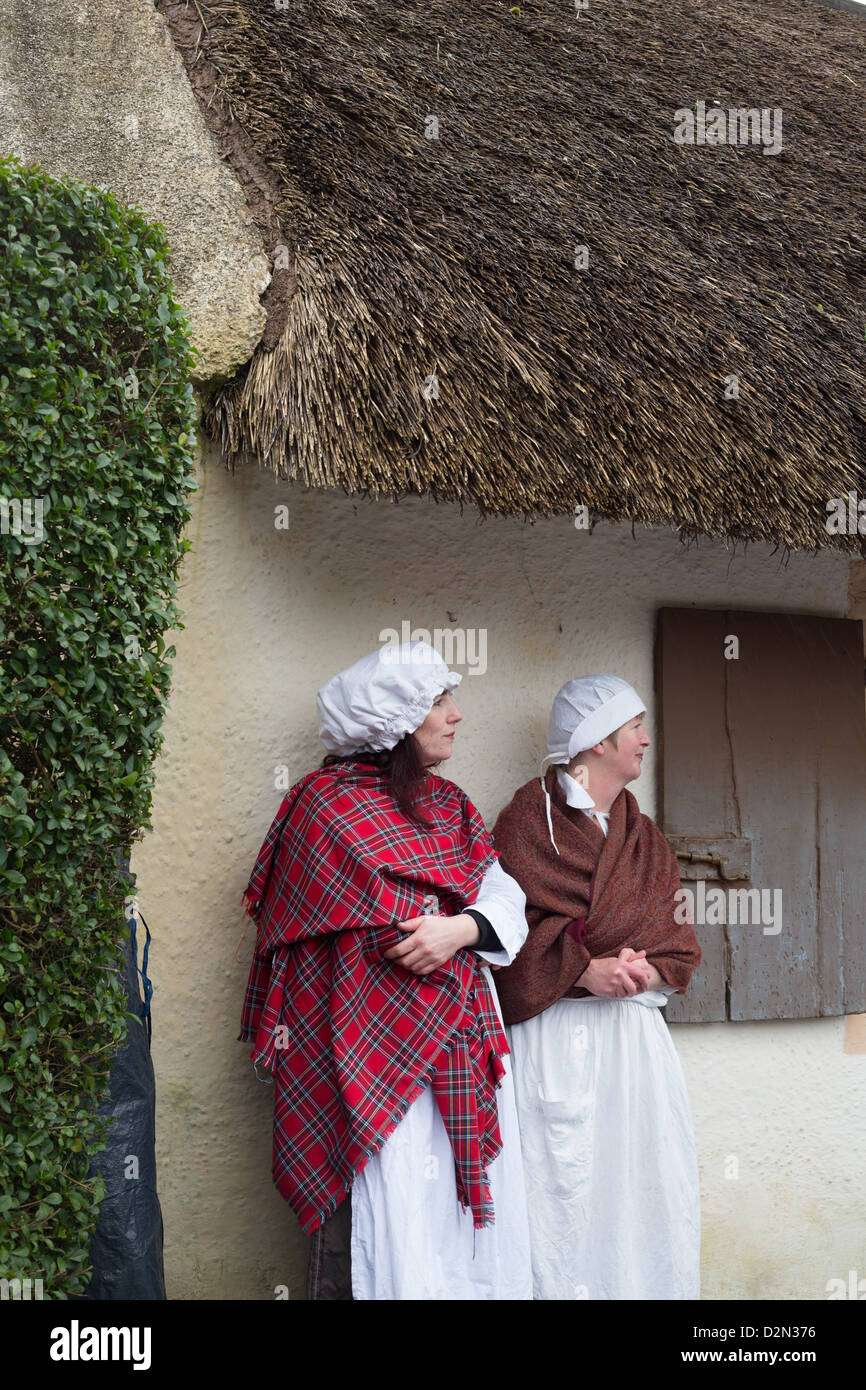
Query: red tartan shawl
{"type": "Point", "coordinates": [353, 1038]}
{"type": "Point", "coordinates": [587, 902]}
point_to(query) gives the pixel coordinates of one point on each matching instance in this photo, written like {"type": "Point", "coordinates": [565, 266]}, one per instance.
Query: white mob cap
{"type": "Point", "coordinates": [385, 695]}
{"type": "Point", "coordinates": [584, 712]}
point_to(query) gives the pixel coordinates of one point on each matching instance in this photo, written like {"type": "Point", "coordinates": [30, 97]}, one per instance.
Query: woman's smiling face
{"type": "Point", "coordinates": [632, 742]}
{"type": "Point", "coordinates": [434, 738]}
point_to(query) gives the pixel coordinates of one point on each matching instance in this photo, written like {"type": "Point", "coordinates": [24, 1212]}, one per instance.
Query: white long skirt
{"type": "Point", "coordinates": [608, 1152]}
{"type": "Point", "coordinates": [411, 1239]}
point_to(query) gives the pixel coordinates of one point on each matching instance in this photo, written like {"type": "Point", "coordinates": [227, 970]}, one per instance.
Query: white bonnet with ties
{"type": "Point", "coordinates": [587, 710]}
{"type": "Point", "coordinates": [371, 705]}
{"type": "Point", "coordinates": [584, 712]}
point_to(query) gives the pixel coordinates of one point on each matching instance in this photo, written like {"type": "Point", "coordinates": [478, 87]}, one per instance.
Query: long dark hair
{"type": "Point", "coordinates": [403, 769]}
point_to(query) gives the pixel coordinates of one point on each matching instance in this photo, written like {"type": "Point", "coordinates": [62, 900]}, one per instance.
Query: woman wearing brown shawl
{"type": "Point", "coordinates": [605, 1125]}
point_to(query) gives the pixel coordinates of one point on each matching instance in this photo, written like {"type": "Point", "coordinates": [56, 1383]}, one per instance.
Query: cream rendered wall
{"type": "Point", "coordinates": [269, 616]}
{"type": "Point", "coordinates": [98, 90]}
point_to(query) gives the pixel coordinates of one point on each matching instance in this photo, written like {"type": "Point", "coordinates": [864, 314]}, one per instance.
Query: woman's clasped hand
{"type": "Point", "coordinates": [431, 941]}
{"type": "Point", "coordinates": [619, 976]}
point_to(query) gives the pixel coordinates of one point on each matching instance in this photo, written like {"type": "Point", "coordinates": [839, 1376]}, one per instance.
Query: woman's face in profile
{"type": "Point", "coordinates": [434, 739]}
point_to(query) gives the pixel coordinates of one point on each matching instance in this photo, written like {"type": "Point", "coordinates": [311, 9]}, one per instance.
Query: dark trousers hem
{"type": "Point", "coordinates": [329, 1270]}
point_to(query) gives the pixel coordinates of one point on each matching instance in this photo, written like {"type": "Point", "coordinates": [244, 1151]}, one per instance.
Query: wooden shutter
{"type": "Point", "coordinates": [762, 759]}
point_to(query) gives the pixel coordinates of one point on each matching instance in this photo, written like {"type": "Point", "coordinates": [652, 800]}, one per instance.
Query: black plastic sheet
{"type": "Point", "coordinates": [126, 1247]}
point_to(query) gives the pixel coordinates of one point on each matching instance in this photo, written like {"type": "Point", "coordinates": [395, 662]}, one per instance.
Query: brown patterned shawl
{"type": "Point", "coordinates": [596, 896]}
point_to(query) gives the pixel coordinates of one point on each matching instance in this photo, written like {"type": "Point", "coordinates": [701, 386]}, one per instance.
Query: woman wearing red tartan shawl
{"type": "Point", "coordinates": [605, 1125]}
{"type": "Point", "coordinates": [378, 896]}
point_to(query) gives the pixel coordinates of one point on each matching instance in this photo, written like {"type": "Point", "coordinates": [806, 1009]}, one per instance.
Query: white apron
{"type": "Point", "coordinates": [411, 1238]}
{"type": "Point", "coordinates": [608, 1151]}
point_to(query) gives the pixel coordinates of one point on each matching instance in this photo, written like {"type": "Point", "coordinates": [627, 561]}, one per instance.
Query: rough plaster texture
{"type": "Point", "coordinates": [98, 90]}
{"type": "Point", "coordinates": [269, 616]}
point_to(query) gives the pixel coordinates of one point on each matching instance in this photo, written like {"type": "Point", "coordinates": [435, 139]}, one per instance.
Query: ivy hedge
{"type": "Point", "coordinates": [96, 459]}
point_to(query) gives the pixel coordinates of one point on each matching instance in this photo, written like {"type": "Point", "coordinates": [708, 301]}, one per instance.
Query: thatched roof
{"type": "Point", "coordinates": [409, 257]}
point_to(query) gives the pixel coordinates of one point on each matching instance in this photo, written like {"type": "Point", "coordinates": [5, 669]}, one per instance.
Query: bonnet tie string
{"type": "Point", "coordinates": [551, 758]}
